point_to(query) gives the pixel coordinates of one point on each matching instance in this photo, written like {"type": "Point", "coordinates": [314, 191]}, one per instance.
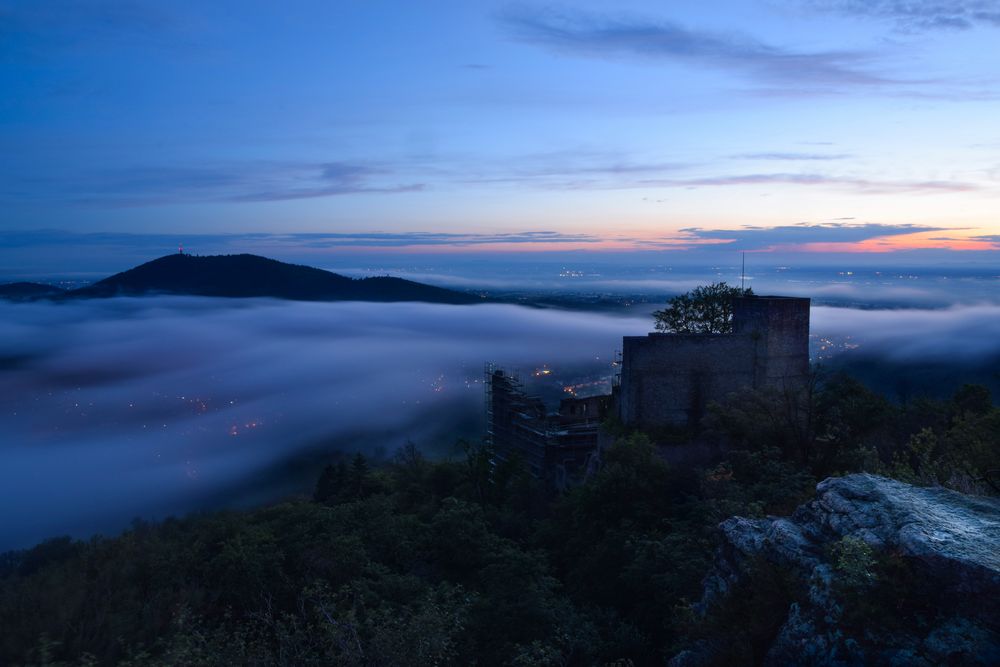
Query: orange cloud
{"type": "Point", "coordinates": [932, 240]}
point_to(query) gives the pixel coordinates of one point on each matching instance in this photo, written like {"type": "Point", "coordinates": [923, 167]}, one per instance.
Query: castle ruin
{"type": "Point", "coordinates": [666, 381]}
{"type": "Point", "coordinates": [557, 446]}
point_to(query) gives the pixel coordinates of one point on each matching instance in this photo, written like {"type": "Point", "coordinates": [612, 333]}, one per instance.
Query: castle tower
{"type": "Point", "coordinates": [779, 328]}
{"type": "Point", "coordinates": [668, 379]}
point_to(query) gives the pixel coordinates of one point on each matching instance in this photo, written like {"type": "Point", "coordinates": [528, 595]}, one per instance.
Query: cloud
{"type": "Point", "coordinates": [605, 36]}
{"type": "Point", "coordinates": [791, 156]}
{"type": "Point", "coordinates": [208, 243]}
{"type": "Point", "coordinates": [334, 179]}
{"type": "Point", "coordinates": [438, 238]}
{"type": "Point", "coordinates": [918, 15]}
{"type": "Point", "coordinates": [763, 238]}
{"type": "Point", "coordinates": [586, 171]}
{"type": "Point", "coordinates": [862, 185]}
{"type": "Point", "coordinates": [565, 169]}
{"type": "Point", "coordinates": [233, 182]}
{"type": "Point", "coordinates": [146, 407]}
{"type": "Point", "coordinates": [262, 181]}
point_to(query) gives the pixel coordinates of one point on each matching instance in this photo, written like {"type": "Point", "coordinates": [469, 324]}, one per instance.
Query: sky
{"type": "Point", "coordinates": [687, 130]}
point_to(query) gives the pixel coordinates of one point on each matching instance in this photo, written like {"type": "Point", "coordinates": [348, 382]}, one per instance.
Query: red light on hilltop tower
{"type": "Point", "coordinates": [180, 249]}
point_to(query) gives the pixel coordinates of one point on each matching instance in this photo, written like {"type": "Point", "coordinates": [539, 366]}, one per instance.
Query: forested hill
{"type": "Point", "coordinates": [469, 560]}
{"type": "Point", "coordinates": [254, 276]}
{"type": "Point", "coordinates": [27, 291]}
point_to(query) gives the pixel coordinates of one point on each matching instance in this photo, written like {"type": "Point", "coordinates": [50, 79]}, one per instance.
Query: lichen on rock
{"type": "Point", "coordinates": [885, 573]}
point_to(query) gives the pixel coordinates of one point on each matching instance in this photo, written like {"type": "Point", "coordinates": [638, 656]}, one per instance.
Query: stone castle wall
{"type": "Point", "coordinates": [668, 380]}
{"type": "Point", "coordinates": [780, 329]}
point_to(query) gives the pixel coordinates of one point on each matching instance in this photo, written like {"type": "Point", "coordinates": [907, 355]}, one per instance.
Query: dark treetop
{"type": "Point", "coordinates": [25, 291]}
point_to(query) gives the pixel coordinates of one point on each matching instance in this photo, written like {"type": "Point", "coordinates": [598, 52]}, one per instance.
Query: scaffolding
{"type": "Point", "coordinates": [518, 424]}
{"type": "Point", "coordinates": [511, 383]}
{"type": "Point", "coordinates": [488, 371]}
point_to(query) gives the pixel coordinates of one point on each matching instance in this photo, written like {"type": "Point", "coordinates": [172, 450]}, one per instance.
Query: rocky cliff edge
{"type": "Point", "coordinates": [884, 573]}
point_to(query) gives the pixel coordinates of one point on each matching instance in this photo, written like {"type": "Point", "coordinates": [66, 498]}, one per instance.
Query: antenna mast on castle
{"type": "Point", "coordinates": [743, 274]}
{"type": "Point", "coordinates": [180, 248]}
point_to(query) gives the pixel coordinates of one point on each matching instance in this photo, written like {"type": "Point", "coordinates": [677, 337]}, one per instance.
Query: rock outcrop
{"type": "Point", "coordinates": [925, 589]}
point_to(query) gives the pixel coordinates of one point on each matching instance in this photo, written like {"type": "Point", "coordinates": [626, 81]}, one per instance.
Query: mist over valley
{"type": "Point", "coordinates": [124, 407]}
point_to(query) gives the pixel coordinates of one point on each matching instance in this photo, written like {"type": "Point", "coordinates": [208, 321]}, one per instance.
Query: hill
{"type": "Point", "coordinates": [255, 276]}
{"type": "Point", "coordinates": [27, 291]}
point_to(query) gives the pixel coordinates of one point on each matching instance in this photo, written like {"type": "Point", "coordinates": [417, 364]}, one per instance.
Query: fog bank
{"type": "Point", "coordinates": [117, 408]}
{"type": "Point", "coordinates": [959, 333]}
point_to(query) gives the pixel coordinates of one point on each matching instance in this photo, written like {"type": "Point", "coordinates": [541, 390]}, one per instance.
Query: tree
{"type": "Point", "coordinates": [706, 309]}
{"type": "Point", "coordinates": [331, 483]}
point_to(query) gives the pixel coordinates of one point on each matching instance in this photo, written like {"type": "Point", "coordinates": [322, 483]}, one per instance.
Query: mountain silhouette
{"type": "Point", "coordinates": [255, 276]}
{"type": "Point", "coordinates": [28, 291]}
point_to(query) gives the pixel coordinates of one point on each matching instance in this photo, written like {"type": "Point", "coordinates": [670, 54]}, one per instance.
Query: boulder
{"type": "Point", "coordinates": [934, 594]}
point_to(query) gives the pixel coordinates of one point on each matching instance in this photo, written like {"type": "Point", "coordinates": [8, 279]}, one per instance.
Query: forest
{"type": "Point", "coordinates": [410, 561]}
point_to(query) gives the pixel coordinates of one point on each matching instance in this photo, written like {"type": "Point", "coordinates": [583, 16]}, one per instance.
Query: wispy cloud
{"type": "Point", "coordinates": [568, 170]}
{"type": "Point", "coordinates": [791, 157]}
{"type": "Point", "coordinates": [318, 240]}
{"type": "Point", "coordinates": [333, 179]}
{"type": "Point", "coordinates": [387, 240]}
{"type": "Point", "coordinates": [606, 36]}
{"type": "Point", "coordinates": [833, 237]}
{"type": "Point", "coordinates": [918, 15]}
{"type": "Point", "coordinates": [222, 182]}
{"type": "Point", "coordinates": [862, 185]}
{"type": "Point", "coordinates": [583, 170]}
{"type": "Point", "coordinates": [764, 238]}
{"type": "Point", "coordinates": [252, 181]}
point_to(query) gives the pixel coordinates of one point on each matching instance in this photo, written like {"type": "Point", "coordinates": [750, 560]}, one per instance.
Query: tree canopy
{"type": "Point", "coordinates": [409, 561]}
{"type": "Point", "coordinates": [707, 309]}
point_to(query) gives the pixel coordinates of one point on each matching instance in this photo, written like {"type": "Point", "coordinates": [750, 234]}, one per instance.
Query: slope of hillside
{"type": "Point", "coordinates": [25, 291]}
{"type": "Point", "coordinates": [255, 276]}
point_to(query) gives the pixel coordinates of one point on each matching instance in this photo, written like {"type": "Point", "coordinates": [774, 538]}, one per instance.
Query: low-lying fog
{"type": "Point", "coordinates": [861, 286]}
{"type": "Point", "coordinates": [116, 408]}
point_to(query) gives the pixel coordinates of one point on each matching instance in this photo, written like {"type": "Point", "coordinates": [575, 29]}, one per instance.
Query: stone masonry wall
{"type": "Point", "coordinates": [669, 379]}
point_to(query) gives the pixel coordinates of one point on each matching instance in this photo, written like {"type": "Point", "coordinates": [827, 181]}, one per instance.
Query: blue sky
{"type": "Point", "coordinates": [805, 126]}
